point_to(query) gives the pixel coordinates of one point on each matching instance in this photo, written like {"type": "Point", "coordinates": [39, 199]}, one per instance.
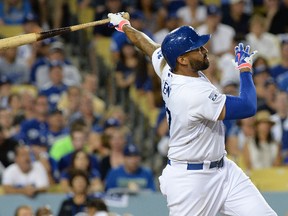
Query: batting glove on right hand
{"type": "Point", "coordinates": [118, 21]}
{"type": "Point", "coordinates": [243, 59]}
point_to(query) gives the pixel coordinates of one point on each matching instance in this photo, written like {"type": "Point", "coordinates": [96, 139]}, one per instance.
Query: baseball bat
{"type": "Point", "coordinates": [19, 40]}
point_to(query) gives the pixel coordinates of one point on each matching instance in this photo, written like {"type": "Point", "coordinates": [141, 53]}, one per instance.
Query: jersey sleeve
{"type": "Point", "coordinates": [207, 104]}
{"type": "Point", "coordinates": [158, 61]}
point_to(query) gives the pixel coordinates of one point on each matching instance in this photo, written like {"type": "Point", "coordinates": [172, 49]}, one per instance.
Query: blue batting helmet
{"type": "Point", "coordinates": [181, 40]}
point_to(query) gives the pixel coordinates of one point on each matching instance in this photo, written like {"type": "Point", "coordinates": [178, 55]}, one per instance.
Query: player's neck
{"type": "Point", "coordinates": [189, 73]}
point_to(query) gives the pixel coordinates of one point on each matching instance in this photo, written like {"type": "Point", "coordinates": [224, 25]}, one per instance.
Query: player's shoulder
{"type": "Point", "coordinates": [158, 61]}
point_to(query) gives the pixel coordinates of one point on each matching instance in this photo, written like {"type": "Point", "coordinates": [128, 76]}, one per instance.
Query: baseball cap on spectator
{"type": "Point", "coordinates": [137, 15]}
{"type": "Point", "coordinates": [30, 17]}
{"type": "Point", "coordinates": [57, 46]}
{"type": "Point", "coordinates": [213, 10]}
{"type": "Point", "coordinates": [131, 150]}
{"type": "Point", "coordinates": [111, 122]}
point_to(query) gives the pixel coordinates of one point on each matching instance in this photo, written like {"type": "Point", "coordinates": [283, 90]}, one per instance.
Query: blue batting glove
{"type": "Point", "coordinates": [243, 59]}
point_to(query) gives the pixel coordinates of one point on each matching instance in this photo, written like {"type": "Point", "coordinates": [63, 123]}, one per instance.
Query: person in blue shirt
{"type": "Point", "coordinates": [32, 129]}
{"type": "Point", "coordinates": [14, 12]}
{"type": "Point", "coordinates": [131, 176]}
{"type": "Point", "coordinates": [281, 68]}
{"type": "Point", "coordinates": [54, 89]}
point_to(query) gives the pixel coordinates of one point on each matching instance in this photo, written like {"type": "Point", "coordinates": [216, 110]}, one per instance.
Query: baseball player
{"type": "Point", "coordinates": [199, 179]}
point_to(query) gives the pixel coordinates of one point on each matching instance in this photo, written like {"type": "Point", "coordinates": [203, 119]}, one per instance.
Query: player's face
{"type": "Point", "coordinates": [199, 59]}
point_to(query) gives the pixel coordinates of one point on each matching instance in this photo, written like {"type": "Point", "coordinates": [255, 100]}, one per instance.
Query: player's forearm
{"type": "Point", "coordinates": [140, 40]}
{"type": "Point", "coordinates": [245, 105]}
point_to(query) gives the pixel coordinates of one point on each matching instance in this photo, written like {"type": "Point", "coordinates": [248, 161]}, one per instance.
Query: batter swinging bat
{"type": "Point", "coordinates": [33, 37]}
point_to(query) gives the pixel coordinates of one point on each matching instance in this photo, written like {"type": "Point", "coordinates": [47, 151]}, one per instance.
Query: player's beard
{"type": "Point", "coordinates": [198, 65]}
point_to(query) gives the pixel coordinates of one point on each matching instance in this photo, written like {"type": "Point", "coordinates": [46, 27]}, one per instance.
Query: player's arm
{"type": "Point", "coordinates": [244, 105]}
{"type": "Point", "coordinates": [138, 38]}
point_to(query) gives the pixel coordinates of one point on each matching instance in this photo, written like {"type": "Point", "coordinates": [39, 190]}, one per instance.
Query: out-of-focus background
{"type": "Point", "coordinates": [79, 110]}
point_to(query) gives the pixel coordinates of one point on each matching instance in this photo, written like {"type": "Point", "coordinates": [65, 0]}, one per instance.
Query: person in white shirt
{"type": "Point", "coordinates": [223, 34]}
{"type": "Point", "coordinates": [24, 176]}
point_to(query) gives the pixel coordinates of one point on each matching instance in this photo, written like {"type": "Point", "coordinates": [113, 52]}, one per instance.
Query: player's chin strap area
{"type": "Point", "coordinates": [198, 166]}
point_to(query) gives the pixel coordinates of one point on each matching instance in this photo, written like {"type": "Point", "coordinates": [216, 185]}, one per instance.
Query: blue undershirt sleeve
{"type": "Point", "coordinates": [244, 105]}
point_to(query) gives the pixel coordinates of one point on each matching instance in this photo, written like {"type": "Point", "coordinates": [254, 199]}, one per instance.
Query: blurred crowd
{"type": "Point", "coordinates": [72, 107]}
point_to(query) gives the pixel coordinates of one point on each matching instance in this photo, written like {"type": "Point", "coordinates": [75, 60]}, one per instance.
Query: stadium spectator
{"type": "Point", "coordinates": [79, 182]}
{"type": "Point", "coordinates": [13, 12]}
{"type": "Point", "coordinates": [27, 53]}
{"type": "Point", "coordinates": [223, 34]}
{"type": "Point", "coordinates": [172, 21]}
{"type": "Point", "coordinates": [90, 85]}
{"type": "Point", "coordinates": [237, 18]}
{"type": "Point", "coordinates": [5, 90]}
{"type": "Point", "coordinates": [280, 117]}
{"type": "Point", "coordinates": [131, 176]}
{"type": "Point", "coordinates": [228, 71]}
{"type": "Point", "coordinates": [28, 99]}
{"type": "Point", "coordinates": [16, 108]}
{"type": "Point", "coordinates": [16, 71]}
{"type": "Point", "coordinates": [125, 73]}
{"type": "Point", "coordinates": [116, 142]}
{"type": "Point", "coordinates": [239, 134]}
{"type": "Point", "coordinates": [86, 111]}
{"type": "Point", "coordinates": [279, 22]}
{"type": "Point", "coordinates": [69, 102]}
{"type": "Point", "coordinates": [24, 176]}
{"type": "Point", "coordinates": [270, 93]}
{"type": "Point", "coordinates": [75, 140]}
{"type": "Point", "coordinates": [193, 13]}
{"type": "Point", "coordinates": [32, 130]}
{"type": "Point", "coordinates": [280, 70]}
{"type": "Point", "coordinates": [71, 74]}
{"type": "Point", "coordinates": [56, 86]}
{"type": "Point", "coordinates": [24, 210]}
{"type": "Point", "coordinates": [44, 211]}
{"type": "Point", "coordinates": [80, 160]}
{"type": "Point", "coordinates": [57, 127]}
{"type": "Point", "coordinates": [265, 43]}
{"type": "Point", "coordinates": [7, 122]}
{"type": "Point", "coordinates": [262, 151]}
{"type": "Point", "coordinates": [97, 207]}
{"type": "Point", "coordinates": [150, 12]}
{"type": "Point", "coordinates": [261, 73]}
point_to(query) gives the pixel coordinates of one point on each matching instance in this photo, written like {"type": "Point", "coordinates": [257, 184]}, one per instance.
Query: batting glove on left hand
{"type": "Point", "coordinates": [118, 21]}
{"type": "Point", "coordinates": [243, 59]}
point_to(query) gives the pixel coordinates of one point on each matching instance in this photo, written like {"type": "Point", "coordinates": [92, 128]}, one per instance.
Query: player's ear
{"type": "Point", "coordinates": [182, 60]}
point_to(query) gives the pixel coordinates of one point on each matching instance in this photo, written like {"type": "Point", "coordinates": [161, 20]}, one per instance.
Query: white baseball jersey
{"type": "Point", "coordinates": [193, 105]}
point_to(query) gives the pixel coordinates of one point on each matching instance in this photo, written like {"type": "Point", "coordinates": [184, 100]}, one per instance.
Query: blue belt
{"type": "Point", "coordinates": [199, 166]}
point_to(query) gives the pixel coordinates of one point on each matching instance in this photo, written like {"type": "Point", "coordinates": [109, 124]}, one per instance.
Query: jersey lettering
{"type": "Point", "coordinates": [159, 54]}
{"type": "Point", "coordinates": [166, 89]}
